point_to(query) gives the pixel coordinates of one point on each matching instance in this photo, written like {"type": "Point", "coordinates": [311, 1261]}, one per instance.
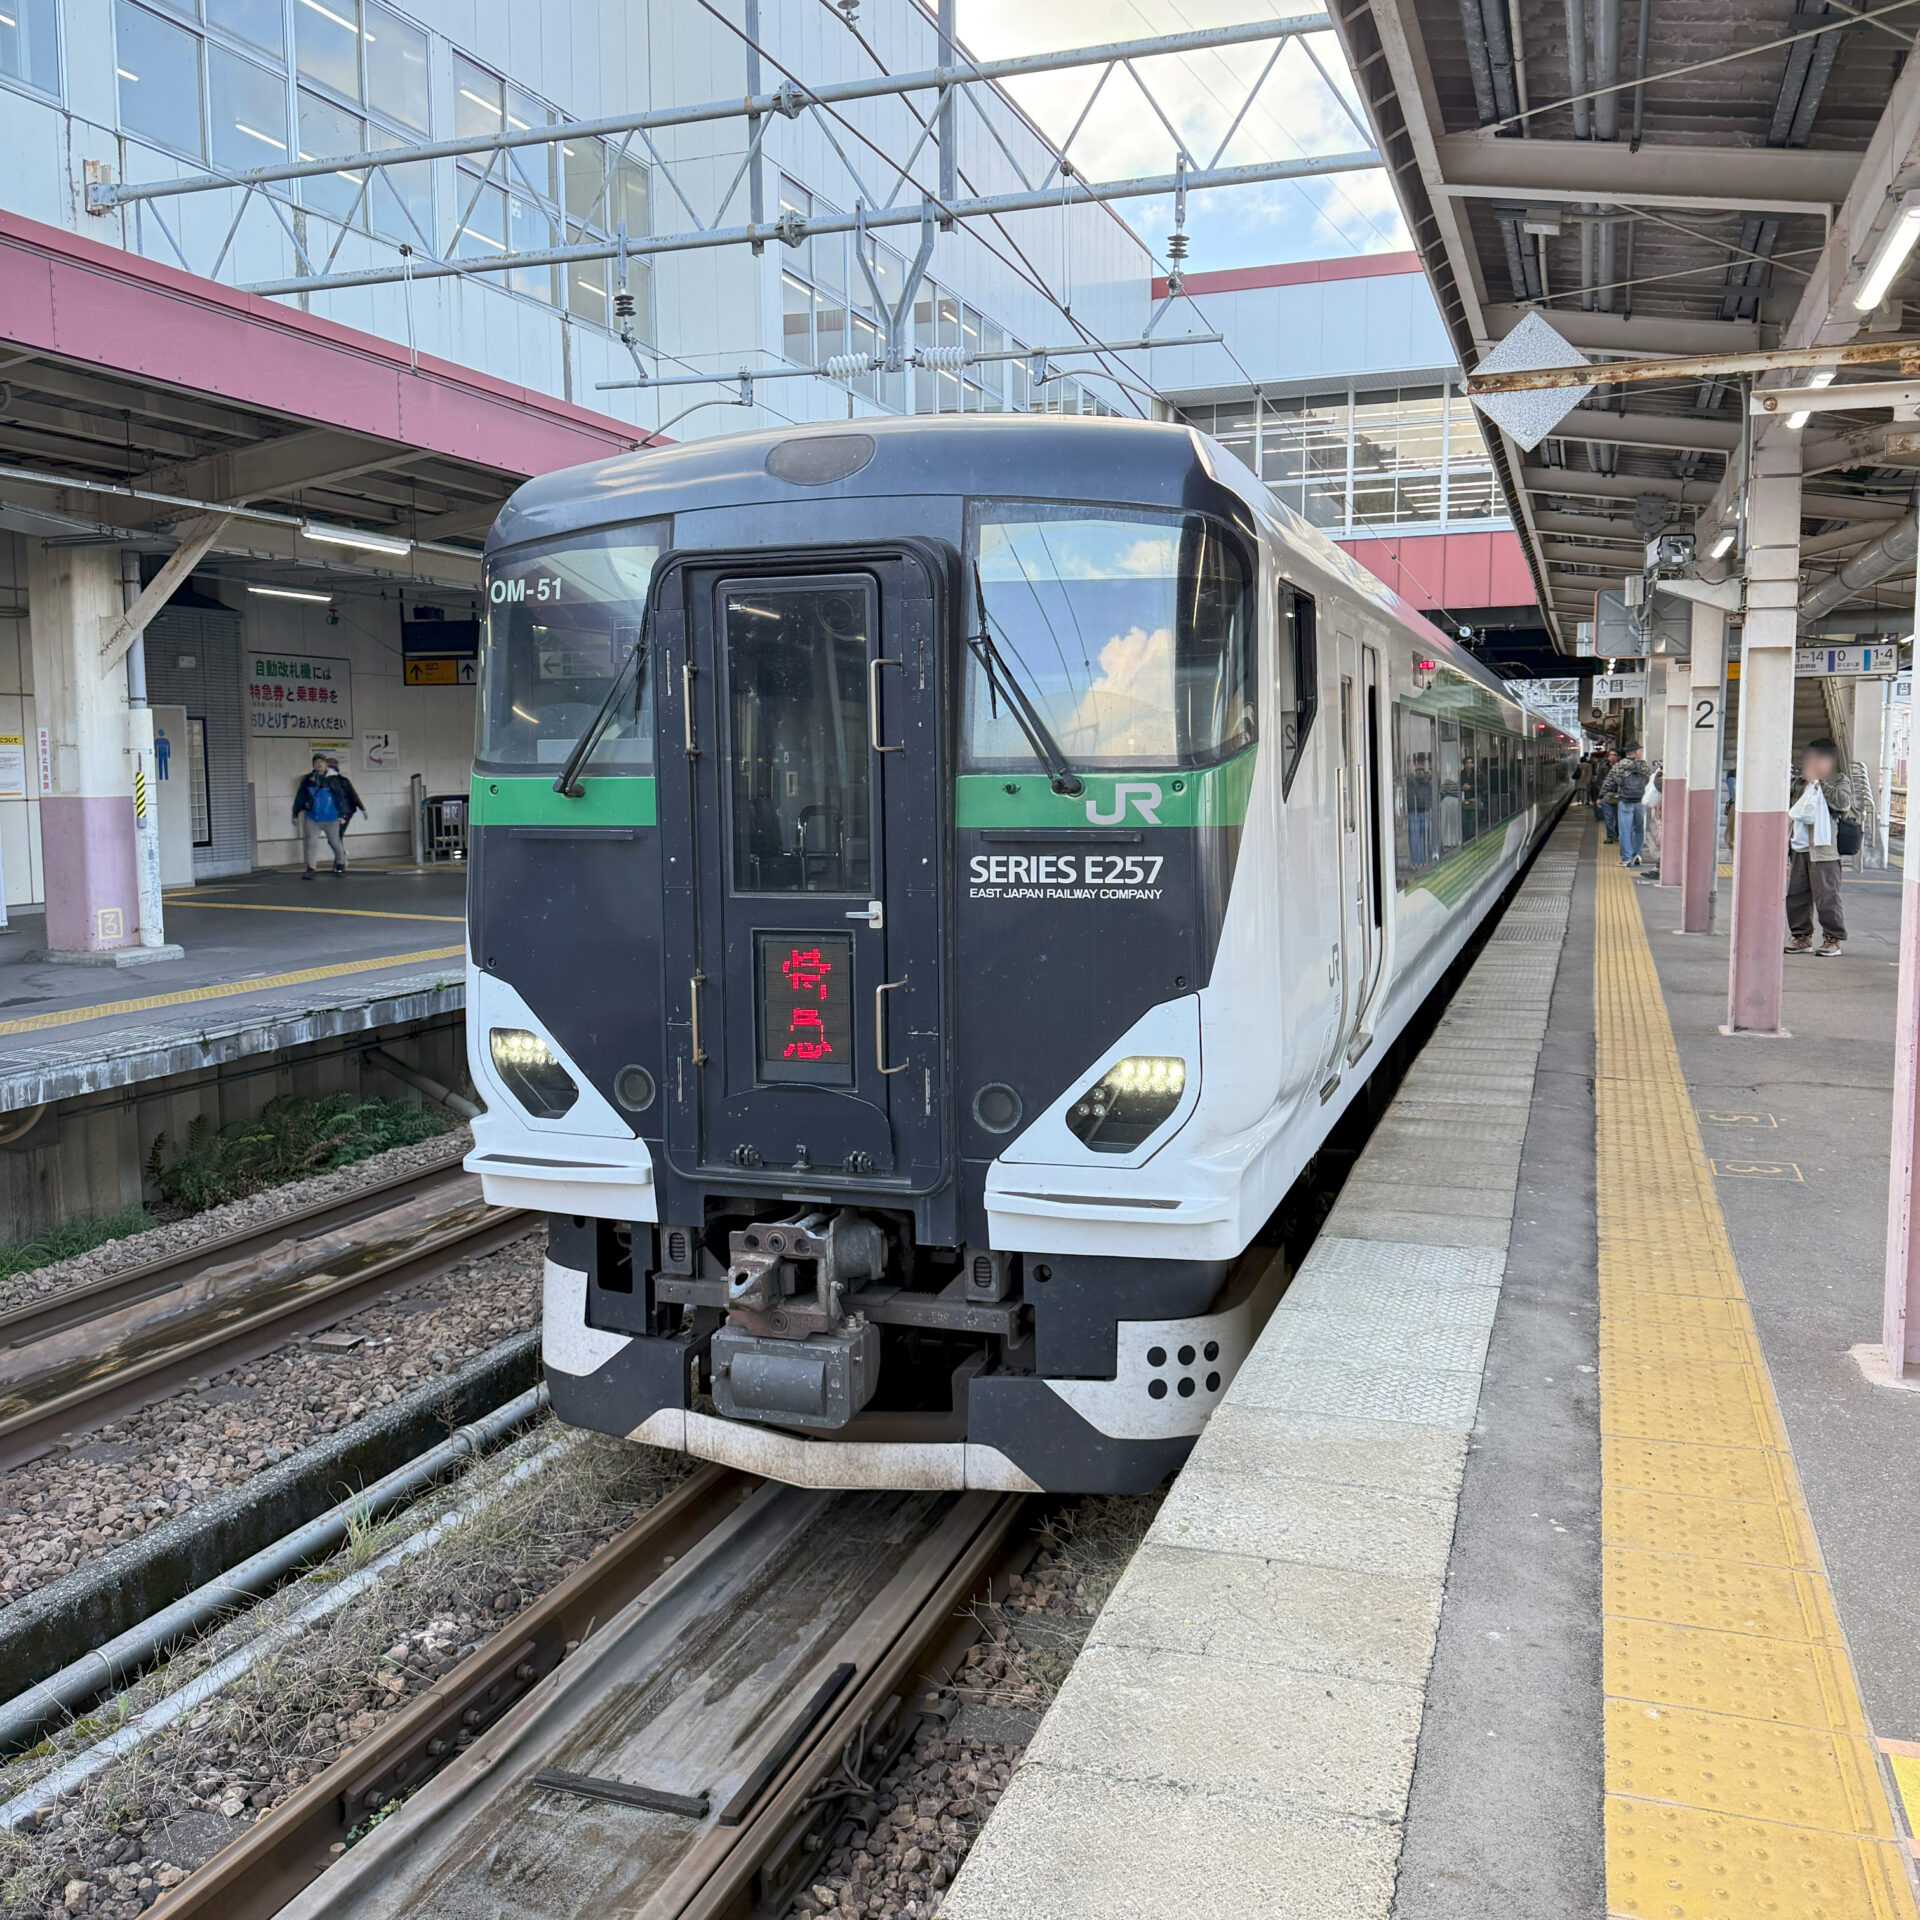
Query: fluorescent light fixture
{"type": "Point", "coordinates": [355, 537]}
{"type": "Point", "coordinates": [292, 593]}
{"type": "Point", "coordinates": [1891, 254]}
{"type": "Point", "coordinates": [1820, 377]}
{"type": "Point", "coordinates": [1721, 547]}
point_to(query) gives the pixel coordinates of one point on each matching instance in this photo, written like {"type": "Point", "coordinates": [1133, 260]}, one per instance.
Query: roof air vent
{"type": "Point", "coordinates": [819, 459]}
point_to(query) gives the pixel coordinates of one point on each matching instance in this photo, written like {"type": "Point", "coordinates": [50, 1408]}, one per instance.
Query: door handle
{"type": "Point", "coordinates": [686, 707]}
{"type": "Point", "coordinates": [873, 704]}
{"type": "Point", "coordinates": [873, 913]}
{"type": "Point", "coordinates": [880, 1026]}
{"type": "Point", "coordinates": [694, 985]}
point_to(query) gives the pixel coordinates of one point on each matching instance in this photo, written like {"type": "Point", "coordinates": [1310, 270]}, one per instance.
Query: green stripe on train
{"type": "Point", "coordinates": [610, 800]}
{"type": "Point", "coordinates": [1455, 877]}
{"type": "Point", "coordinates": [1202, 797]}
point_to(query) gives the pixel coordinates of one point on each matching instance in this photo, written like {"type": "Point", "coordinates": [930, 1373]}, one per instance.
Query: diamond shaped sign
{"type": "Point", "coordinates": [1528, 418]}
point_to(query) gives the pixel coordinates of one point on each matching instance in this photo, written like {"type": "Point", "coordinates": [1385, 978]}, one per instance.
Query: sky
{"type": "Point", "coordinates": [1297, 113]}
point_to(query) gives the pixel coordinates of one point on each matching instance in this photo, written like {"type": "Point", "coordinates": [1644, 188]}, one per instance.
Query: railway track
{"type": "Point", "coordinates": [678, 1729]}
{"type": "Point", "coordinates": [89, 1355]}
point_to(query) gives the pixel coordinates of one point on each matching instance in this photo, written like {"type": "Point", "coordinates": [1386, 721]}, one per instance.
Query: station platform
{"type": "Point", "coordinates": [1550, 1553]}
{"type": "Point", "coordinates": [271, 962]}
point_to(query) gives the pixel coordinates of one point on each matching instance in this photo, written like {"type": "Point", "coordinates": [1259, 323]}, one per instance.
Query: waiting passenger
{"type": "Point", "coordinates": [320, 812]}
{"type": "Point", "coordinates": [1626, 787]}
{"type": "Point", "coordinates": [1603, 808]}
{"type": "Point", "coordinates": [1822, 797]}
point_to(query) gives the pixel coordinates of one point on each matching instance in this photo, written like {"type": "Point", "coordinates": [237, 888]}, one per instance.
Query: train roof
{"type": "Point", "coordinates": [1029, 456]}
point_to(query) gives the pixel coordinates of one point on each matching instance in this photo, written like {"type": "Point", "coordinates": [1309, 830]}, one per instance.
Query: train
{"type": "Point", "coordinates": [933, 886]}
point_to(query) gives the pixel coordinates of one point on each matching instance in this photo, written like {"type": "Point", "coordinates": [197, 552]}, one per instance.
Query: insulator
{"type": "Point", "coordinates": [940, 359]}
{"type": "Point", "coordinates": [849, 10]}
{"type": "Point", "coordinates": [623, 306]}
{"type": "Point", "coordinates": [1176, 246]}
{"type": "Point", "coordinates": [847, 366]}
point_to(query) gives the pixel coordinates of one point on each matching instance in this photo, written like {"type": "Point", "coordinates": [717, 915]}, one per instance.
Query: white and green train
{"type": "Point", "coordinates": [934, 887]}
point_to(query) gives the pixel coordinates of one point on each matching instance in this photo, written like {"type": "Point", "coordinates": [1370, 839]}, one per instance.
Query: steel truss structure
{"type": "Point", "coordinates": [952, 85]}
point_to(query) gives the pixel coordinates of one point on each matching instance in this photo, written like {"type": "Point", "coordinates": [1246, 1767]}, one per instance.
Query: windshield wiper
{"type": "Point", "coordinates": [568, 785]}
{"type": "Point", "coordinates": [1002, 682]}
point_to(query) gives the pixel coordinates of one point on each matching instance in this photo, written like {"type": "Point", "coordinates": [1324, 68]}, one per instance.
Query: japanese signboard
{"type": "Point", "coordinates": [1858, 659]}
{"type": "Point", "coordinates": [13, 767]}
{"type": "Point", "coordinates": [441, 673]}
{"type": "Point", "coordinates": [299, 696]}
{"type": "Point", "coordinates": [1619, 686]}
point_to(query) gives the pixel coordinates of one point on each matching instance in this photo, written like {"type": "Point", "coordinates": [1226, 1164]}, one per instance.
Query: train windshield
{"type": "Point", "coordinates": [1131, 633]}
{"type": "Point", "coordinates": [561, 623]}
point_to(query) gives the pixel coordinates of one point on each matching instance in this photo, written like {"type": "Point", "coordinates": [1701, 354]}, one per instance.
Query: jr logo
{"type": "Point", "coordinates": [1145, 795]}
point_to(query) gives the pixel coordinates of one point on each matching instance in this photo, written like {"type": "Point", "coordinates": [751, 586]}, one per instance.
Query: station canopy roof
{"type": "Point", "coordinates": [1691, 204]}
{"type": "Point", "coordinates": [134, 397]}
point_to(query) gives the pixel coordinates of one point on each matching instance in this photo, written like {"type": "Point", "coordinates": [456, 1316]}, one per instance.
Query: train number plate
{"type": "Point", "coordinates": [804, 985]}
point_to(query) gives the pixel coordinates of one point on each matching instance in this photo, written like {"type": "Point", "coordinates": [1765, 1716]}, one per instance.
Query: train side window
{"type": "Point", "coordinates": [1297, 674]}
{"type": "Point", "coordinates": [1416, 793]}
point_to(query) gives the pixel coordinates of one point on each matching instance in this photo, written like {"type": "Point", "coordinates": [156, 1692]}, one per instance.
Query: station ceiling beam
{"type": "Point", "coordinates": [1638, 334]}
{"type": "Point", "coordinates": [1673, 433]}
{"type": "Point", "coordinates": [1732, 178]}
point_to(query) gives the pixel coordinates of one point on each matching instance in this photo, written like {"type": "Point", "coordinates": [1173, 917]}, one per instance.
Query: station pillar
{"type": "Point", "coordinates": [1900, 1319]}
{"type": "Point", "coordinates": [86, 814]}
{"type": "Point", "coordinates": [1707, 674]}
{"type": "Point", "coordinates": [1758, 927]}
{"type": "Point", "coordinates": [1673, 776]}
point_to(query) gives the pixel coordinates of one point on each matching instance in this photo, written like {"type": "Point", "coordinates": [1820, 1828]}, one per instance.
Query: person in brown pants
{"type": "Point", "coordinates": [1822, 797]}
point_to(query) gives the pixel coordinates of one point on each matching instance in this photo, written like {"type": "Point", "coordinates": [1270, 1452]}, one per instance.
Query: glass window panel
{"type": "Point", "coordinates": [588, 295]}
{"type": "Point", "coordinates": [583, 165]}
{"type": "Point", "coordinates": [1467, 441]}
{"type": "Point", "coordinates": [797, 711]}
{"type": "Point", "coordinates": [326, 38]}
{"type": "Point", "coordinates": [969, 330]}
{"type": "Point", "coordinates": [949, 389]}
{"type": "Point", "coordinates": [249, 111]}
{"type": "Point", "coordinates": [891, 272]}
{"type": "Point", "coordinates": [529, 229]}
{"type": "Point", "coordinates": [401, 203]}
{"type": "Point", "coordinates": [260, 22]}
{"type": "Point", "coordinates": [1419, 499]}
{"type": "Point", "coordinates": [326, 130]}
{"type": "Point", "coordinates": [186, 9]}
{"type": "Point", "coordinates": [479, 100]}
{"type": "Point", "coordinates": [159, 73]}
{"type": "Point", "coordinates": [948, 333]}
{"type": "Point", "coordinates": [560, 625]}
{"type": "Point", "coordinates": [796, 320]}
{"type": "Point", "coordinates": [1450, 822]}
{"type": "Point", "coordinates": [483, 234]}
{"type": "Point", "coordinates": [893, 391]}
{"type": "Point", "coordinates": [1323, 433]}
{"type": "Point", "coordinates": [396, 68]}
{"type": "Point", "coordinates": [992, 374]}
{"type": "Point", "coordinates": [829, 327]}
{"type": "Point", "coordinates": [1397, 428]}
{"type": "Point", "coordinates": [1471, 496]}
{"type": "Point", "coordinates": [830, 258]}
{"type": "Point", "coordinates": [29, 43]}
{"type": "Point", "coordinates": [1019, 380]}
{"type": "Point", "coordinates": [1375, 503]}
{"type": "Point", "coordinates": [1130, 633]}
{"type": "Point", "coordinates": [1326, 501]}
{"type": "Point", "coordinates": [630, 198]}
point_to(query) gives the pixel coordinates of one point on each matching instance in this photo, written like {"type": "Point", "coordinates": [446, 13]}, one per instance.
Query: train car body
{"type": "Point", "coordinates": [934, 886]}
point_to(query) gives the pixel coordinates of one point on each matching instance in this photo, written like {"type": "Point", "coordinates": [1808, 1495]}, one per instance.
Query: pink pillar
{"type": "Point", "coordinates": [1757, 967]}
{"type": "Point", "coordinates": [1708, 673]}
{"type": "Point", "coordinates": [86, 821]}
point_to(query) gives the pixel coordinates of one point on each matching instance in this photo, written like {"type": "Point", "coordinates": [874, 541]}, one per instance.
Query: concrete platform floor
{"type": "Point", "coordinates": [267, 951]}
{"type": "Point", "coordinates": [1676, 1674]}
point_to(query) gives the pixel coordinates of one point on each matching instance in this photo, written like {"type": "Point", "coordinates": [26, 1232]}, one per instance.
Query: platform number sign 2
{"type": "Point", "coordinates": [805, 1016]}
{"type": "Point", "coordinates": [1704, 710]}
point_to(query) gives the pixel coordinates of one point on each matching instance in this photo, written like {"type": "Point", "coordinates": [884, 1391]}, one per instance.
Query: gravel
{"type": "Point", "coordinates": [125, 1477]}
{"type": "Point", "coordinates": [177, 1236]}
{"type": "Point", "coordinates": [115, 1844]}
{"type": "Point", "coordinates": [896, 1863]}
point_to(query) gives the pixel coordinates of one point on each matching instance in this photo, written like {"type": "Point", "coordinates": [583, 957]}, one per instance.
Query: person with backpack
{"type": "Point", "coordinates": [1819, 814]}
{"type": "Point", "coordinates": [321, 809]}
{"type": "Point", "coordinates": [1626, 787]}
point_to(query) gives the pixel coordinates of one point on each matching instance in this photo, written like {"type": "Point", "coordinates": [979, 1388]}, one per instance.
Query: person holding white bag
{"type": "Point", "coordinates": [1822, 800]}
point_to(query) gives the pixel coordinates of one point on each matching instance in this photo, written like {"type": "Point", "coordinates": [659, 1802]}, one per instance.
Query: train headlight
{"type": "Point", "coordinates": [1132, 1099]}
{"type": "Point", "coordinates": [532, 1071]}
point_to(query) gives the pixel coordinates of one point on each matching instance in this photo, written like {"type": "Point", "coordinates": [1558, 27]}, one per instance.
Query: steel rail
{"type": "Point", "coordinates": [290, 1846]}
{"type": "Point", "coordinates": [38, 1318]}
{"type": "Point", "coordinates": [788, 100]}
{"type": "Point", "coordinates": [1070, 193]}
{"type": "Point", "coordinates": [38, 1423]}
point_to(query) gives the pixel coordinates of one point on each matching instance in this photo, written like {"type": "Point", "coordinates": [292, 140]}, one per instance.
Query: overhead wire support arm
{"type": "Point", "coordinates": [788, 100]}
{"type": "Point", "coordinates": [793, 229]}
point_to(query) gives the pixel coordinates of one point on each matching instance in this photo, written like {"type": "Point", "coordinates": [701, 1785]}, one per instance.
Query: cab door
{"type": "Point", "coordinates": [800, 784]}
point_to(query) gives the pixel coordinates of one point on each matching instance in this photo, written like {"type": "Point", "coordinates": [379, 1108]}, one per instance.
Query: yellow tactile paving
{"type": "Point", "coordinates": [265, 983]}
{"type": "Point", "coordinates": [319, 907]}
{"type": "Point", "coordinates": [1740, 1779]}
